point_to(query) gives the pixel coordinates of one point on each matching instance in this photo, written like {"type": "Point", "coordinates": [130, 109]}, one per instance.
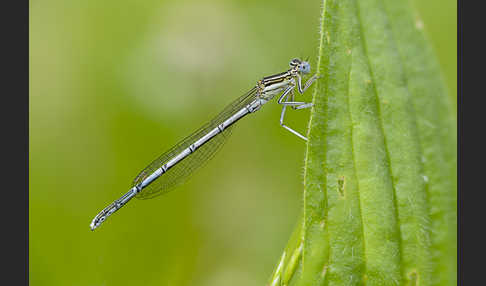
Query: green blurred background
{"type": "Point", "coordinates": [115, 83]}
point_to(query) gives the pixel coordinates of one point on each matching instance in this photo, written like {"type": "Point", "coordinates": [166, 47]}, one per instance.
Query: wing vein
{"type": "Point", "coordinates": [179, 172]}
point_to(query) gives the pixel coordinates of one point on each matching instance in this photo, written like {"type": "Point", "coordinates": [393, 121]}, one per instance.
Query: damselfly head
{"type": "Point", "coordinates": [304, 67]}
{"type": "Point", "coordinates": [301, 66]}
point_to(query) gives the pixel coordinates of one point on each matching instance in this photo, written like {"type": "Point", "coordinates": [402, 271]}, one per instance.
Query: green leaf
{"type": "Point", "coordinates": [380, 173]}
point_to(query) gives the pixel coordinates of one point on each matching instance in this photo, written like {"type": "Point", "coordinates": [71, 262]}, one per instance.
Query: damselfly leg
{"type": "Point", "coordinates": [295, 104]}
{"type": "Point", "coordinates": [282, 115]}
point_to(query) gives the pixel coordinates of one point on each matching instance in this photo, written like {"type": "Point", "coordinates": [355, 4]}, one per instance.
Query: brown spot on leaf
{"type": "Point", "coordinates": [341, 185]}
{"type": "Point", "coordinates": [413, 278]}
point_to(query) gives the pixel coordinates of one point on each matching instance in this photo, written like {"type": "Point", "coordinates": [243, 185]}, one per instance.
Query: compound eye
{"type": "Point", "coordinates": [305, 67]}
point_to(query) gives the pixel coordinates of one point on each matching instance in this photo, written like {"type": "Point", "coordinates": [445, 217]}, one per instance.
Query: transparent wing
{"type": "Point", "coordinates": [176, 175]}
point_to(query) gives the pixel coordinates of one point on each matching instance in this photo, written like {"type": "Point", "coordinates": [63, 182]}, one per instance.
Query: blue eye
{"type": "Point", "coordinates": [305, 68]}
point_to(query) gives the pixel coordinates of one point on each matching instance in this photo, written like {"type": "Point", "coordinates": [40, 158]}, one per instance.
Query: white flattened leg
{"type": "Point", "coordinates": [303, 106]}
{"type": "Point", "coordinates": [298, 105]}
{"type": "Point", "coordinates": [283, 98]}
{"type": "Point", "coordinates": [285, 93]}
{"type": "Point", "coordinates": [307, 84]}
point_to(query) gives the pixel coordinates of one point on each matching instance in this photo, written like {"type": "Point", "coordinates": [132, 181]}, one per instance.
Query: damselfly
{"type": "Point", "coordinates": [175, 165]}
